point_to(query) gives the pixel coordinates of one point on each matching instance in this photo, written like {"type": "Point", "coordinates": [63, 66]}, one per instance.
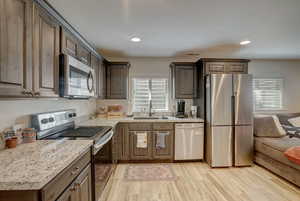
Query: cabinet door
{"type": "Point", "coordinates": [163, 142]}
{"type": "Point", "coordinates": [15, 48]}
{"type": "Point", "coordinates": [215, 67]}
{"type": "Point", "coordinates": [117, 81]}
{"type": "Point", "coordinates": [140, 145]}
{"type": "Point", "coordinates": [95, 66]}
{"type": "Point", "coordinates": [122, 144]}
{"type": "Point", "coordinates": [237, 68]}
{"type": "Point", "coordinates": [185, 82]}
{"type": "Point", "coordinates": [46, 54]}
{"type": "Point", "coordinates": [101, 80]}
{"type": "Point", "coordinates": [83, 185]}
{"type": "Point", "coordinates": [84, 55]}
{"type": "Point", "coordinates": [68, 44]}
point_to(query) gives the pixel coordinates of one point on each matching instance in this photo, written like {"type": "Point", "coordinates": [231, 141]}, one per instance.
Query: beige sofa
{"type": "Point", "coordinates": [269, 152]}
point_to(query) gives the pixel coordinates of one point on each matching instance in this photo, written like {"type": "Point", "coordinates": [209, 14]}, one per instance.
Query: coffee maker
{"type": "Point", "coordinates": [180, 109]}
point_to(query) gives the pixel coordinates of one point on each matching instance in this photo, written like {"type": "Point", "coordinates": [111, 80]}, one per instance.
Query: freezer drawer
{"type": "Point", "coordinates": [243, 143]}
{"type": "Point", "coordinates": [189, 140]}
{"type": "Point", "coordinates": [221, 146]}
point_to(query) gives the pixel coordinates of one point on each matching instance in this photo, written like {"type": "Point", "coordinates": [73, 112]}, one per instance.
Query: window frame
{"type": "Point", "coordinates": [282, 100]}
{"type": "Point", "coordinates": [167, 109]}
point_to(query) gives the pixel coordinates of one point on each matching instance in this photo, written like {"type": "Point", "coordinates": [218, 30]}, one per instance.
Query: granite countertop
{"type": "Point", "coordinates": [31, 166]}
{"type": "Point", "coordinates": [114, 121]}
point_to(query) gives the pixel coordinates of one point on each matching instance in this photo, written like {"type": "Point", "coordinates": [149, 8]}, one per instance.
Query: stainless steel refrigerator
{"type": "Point", "coordinates": [229, 116]}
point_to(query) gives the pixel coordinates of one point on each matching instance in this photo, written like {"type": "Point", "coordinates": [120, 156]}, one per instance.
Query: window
{"type": "Point", "coordinates": [150, 89]}
{"type": "Point", "coordinates": [267, 93]}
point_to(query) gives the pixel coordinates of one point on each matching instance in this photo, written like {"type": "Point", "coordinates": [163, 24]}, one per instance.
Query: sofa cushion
{"type": "Point", "coordinates": [268, 126]}
{"type": "Point", "coordinates": [275, 148]}
{"type": "Point", "coordinates": [293, 154]}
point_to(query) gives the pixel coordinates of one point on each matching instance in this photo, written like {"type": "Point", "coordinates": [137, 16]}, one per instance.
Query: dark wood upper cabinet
{"type": "Point", "coordinates": [16, 48]}
{"type": "Point", "coordinates": [71, 46]}
{"type": "Point", "coordinates": [117, 80]}
{"type": "Point", "coordinates": [46, 54]}
{"type": "Point", "coordinates": [84, 55]}
{"type": "Point", "coordinates": [184, 80]}
{"type": "Point", "coordinates": [231, 66]}
{"type": "Point", "coordinates": [68, 43]}
{"type": "Point", "coordinates": [101, 80]}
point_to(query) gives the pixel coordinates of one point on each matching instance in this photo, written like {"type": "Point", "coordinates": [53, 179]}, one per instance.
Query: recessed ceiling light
{"type": "Point", "coordinates": [245, 42]}
{"type": "Point", "coordinates": [136, 39]}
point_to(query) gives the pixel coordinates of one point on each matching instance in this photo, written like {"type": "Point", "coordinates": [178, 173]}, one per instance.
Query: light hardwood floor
{"type": "Point", "coordinates": [198, 182]}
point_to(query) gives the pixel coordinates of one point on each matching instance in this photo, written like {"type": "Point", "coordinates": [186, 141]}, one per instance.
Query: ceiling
{"type": "Point", "coordinates": [204, 28]}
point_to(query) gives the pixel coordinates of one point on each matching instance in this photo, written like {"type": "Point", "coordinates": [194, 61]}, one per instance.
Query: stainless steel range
{"type": "Point", "coordinates": [60, 125]}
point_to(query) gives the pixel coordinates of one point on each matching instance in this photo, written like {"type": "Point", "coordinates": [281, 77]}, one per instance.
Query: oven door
{"type": "Point", "coordinates": [77, 80]}
{"type": "Point", "coordinates": [103, 163]}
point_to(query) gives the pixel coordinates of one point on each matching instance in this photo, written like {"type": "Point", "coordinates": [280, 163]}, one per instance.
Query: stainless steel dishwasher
{"type": "Point", "coordinates": [189, 140]}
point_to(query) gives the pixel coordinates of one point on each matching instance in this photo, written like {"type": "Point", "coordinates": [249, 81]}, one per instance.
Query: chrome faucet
{"type": "Point", "coordinates": [150, 108]}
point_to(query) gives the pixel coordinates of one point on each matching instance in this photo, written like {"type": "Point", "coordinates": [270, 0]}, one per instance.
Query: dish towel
{"type": "Point", "coordinates": [141, 140]}
{"type": "Point", "coordinates": [161, 140]}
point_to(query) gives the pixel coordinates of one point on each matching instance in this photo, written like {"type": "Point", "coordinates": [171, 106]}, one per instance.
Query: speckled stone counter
{"type": "Point", "coordinates": [31, 166]}
{"type": "Point", "coordinates": [115, 121]}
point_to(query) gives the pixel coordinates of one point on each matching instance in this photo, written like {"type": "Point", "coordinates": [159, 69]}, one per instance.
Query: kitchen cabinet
{"type": "Point", "coordinates": [163, 144]}
{"type": "Point", "coordinates": [46, 54]}
{"type": "Point", "coordinates": [231, 66]}
{"type": "Point", "coordinates": [80, 189]}
{"type": "Point", "coordinates": [163, 140]}
{"type": "Point", "coordinates": [68, 43]}
{"type": "Point", "coordinates": [71, 46]}
{"type": "Point", "coordinates": [101, 79]}
{"type": "Point", "coordinates": [184, 80]}
{"type": "Point", "coordinates": [117, 80]}
{"type": "Point", "coordinates": [74, 183]}
{"type": "Point", "coordinates": [122, 144]}
{"type": "Point", "coordinates": [84, 55]}
{"type": "Point", "coordinates": [145, 141]}
{"type": "Point", "coordinates": [140, 145]}
{"type": "Point", "coordinates": [16, 48]}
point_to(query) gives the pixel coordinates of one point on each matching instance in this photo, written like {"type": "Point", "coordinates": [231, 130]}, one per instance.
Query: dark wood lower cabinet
{"type": "Point", "coordinates": [163, 144]}
{"type": "Point", "coordinates": [74, 183]}
{"type": "Point", "coordinates": [140, 145]}
{"type": "Point", "coordinates": [145, 141]}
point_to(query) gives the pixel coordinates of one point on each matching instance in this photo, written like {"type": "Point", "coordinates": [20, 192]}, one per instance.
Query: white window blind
{"type": "Point", "coordinates": [267, 93]}
{"type": "Point", "coordinates": [150, 89]}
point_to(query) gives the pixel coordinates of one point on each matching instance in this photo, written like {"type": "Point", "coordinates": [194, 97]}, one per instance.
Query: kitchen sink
{"type": "Point", "coordinates": [145, 118]}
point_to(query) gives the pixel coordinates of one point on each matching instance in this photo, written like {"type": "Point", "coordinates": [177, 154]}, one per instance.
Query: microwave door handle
{"type": "Point", "coordinates": [90, 76]}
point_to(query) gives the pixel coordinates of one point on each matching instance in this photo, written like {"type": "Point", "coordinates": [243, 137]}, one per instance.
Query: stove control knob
{"type": "Point", "coordinates": [74, 115]}
{"type": "Point", "coordinates": [51, 119]}
{"type": "Point", "coordinates": [44, 121]}
{"type": "Point", "coordinates": [70, 115]}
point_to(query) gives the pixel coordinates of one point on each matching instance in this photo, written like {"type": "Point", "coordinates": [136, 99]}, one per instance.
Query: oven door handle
{"type": "Point", "coordinates": [101, 143]}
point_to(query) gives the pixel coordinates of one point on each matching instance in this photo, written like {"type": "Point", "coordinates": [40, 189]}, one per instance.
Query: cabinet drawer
{"type": "Point", "coordinates": [140, 126]}
{"type": "Point", "coordinates": [215, 67]}
{"type": "Point", "coordinates": [236, 68]}
{"type": "Point", "coordinates": [162, 126]}
{"type": "Point", "coordinates": [64, 179]}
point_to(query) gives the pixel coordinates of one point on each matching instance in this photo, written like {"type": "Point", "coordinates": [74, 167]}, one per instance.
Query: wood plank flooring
{"type": "Point", "coordinates": [198, 182]}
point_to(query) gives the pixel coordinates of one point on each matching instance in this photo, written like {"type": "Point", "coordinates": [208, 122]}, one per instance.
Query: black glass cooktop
{"type": "Point", "coordinates": [86, 131]}
{"type": "Point", "coordinates": [81, 132]}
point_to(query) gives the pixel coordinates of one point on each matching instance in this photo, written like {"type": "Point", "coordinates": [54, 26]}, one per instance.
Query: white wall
{"type": "Point", "coordinates": [18, 111]}
{"type": "Point", "coordinates": [289, 71]}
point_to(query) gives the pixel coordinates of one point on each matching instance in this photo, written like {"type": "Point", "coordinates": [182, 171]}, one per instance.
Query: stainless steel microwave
{"type": "Point", "coordinates": [76, 79]}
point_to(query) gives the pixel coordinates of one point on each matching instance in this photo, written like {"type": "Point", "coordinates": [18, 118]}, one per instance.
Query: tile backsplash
{"type": "Point", "coordinates": [127, 105]}
{"type": "Point", "coordinates": [19, 111]}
